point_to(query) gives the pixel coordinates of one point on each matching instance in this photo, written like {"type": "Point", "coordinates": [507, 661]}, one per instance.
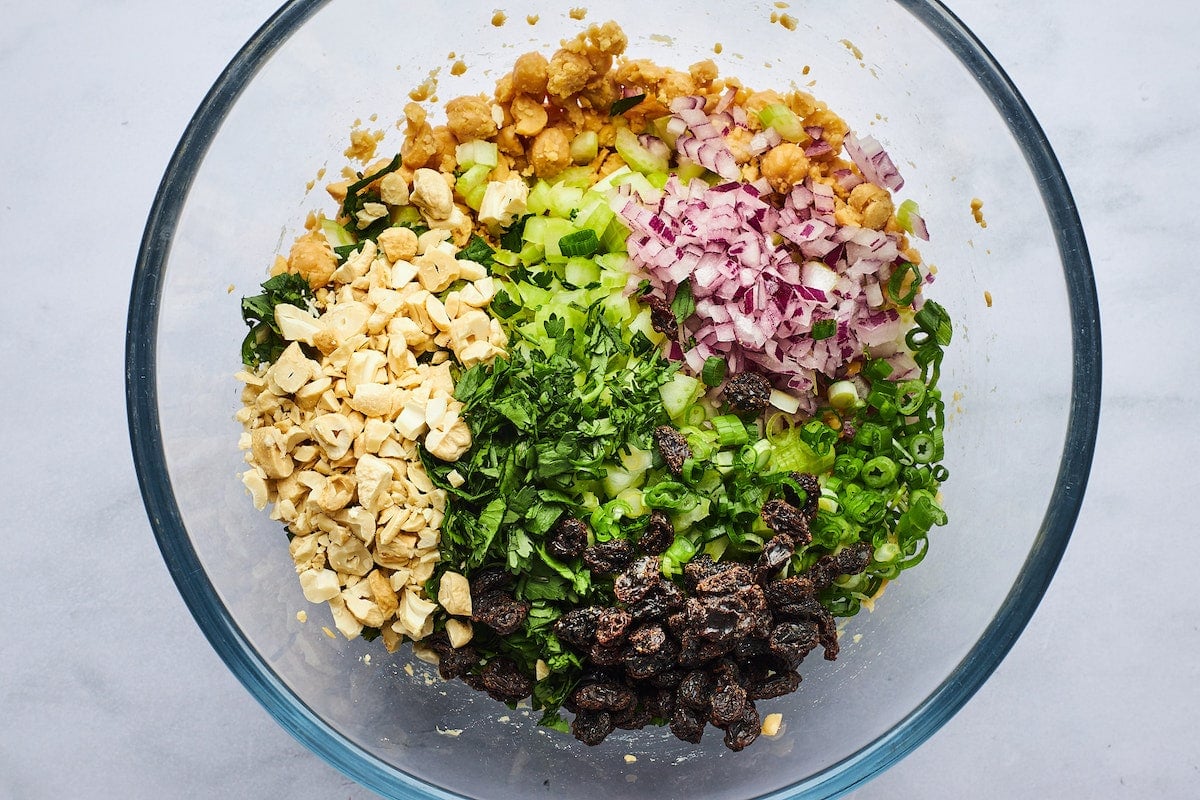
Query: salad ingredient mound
{"type": "Point", "coordinates": [611, 394]}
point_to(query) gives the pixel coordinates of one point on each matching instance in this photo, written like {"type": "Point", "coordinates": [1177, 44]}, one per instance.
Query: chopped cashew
{"type": "Point", "coordinates": [319, 585]}
{"type": "Point", "coordinates": [432, 194]}
{"type": "Point", "coordinates": [460, 632]}
{"type": "Point", "coordinates": [454, 594]}
{"type": "Point", "coordinates": [449, 445]}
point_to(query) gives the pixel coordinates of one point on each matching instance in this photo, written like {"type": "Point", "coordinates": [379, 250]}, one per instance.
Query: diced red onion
{"type": "Point", "coordinates": [755, 305]}
{"type": "Point", "coordinates": [873, 161]}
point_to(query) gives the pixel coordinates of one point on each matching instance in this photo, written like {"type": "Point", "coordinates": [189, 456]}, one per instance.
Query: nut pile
{"type": "Point", "coordinates": [332, 438]}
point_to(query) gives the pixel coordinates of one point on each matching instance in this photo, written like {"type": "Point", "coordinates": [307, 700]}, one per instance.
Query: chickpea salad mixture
{"type": "Point", "coordinates": [611, 394]}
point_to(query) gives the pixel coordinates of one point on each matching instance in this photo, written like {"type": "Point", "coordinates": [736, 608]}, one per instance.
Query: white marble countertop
{"type": "Point", "coordinates": [109, 689]}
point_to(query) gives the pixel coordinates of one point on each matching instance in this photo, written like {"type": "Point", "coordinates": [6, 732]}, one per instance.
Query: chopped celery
{"type": "Point", "coordinates": [637, 461]}
{"type": "Point", "coordinates": [617, 480]}
{"type": "Point", "coordinates": [784, 121]}
{"type": "Point", "coordinates": [477, 152]}
{"type": "Point", "coordinates": [790, 454]}
{"type": "Point", "coordinates": [679, 393]}
{"type": "Point", "coordinates": [539, 198]}
{"type": "Point", "coordinates": [563, 199]}
{"type": "Point", "coordinates": [576, 177]}
{"type": "Point", "coordinates": [581, 272]}
{"type": "Point", "coordinates": [632, 498]}
{"type": "Point", "coordinates": [335, 234]}
{"type": "Point", "coordinates": [687, 171]}
{"type": "Point", "coordinates": [613, 239]}
{"type": "Point", "coordinates": [474, 178]}
{"type": "Point", "coordinates": [636, 155]}
{"type": "Point", "coordinates": [584, 147]}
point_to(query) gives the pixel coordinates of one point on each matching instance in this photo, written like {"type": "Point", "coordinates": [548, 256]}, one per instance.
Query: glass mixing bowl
{"type": "Point", "coordinates": [1023, 372]}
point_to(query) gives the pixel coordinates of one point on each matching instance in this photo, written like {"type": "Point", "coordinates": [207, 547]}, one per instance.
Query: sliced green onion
{"type": "Point", "coordinates": [823, 329]}
{"type": "Point", "coordinates": [847, 467]}
{"type": "Point", "coordinates": [910, 396]}
{"type": "Point", "coordinates": [895, 284]}
{"type": "Point", "coordinates": [843, 395]}
{"type": "Point", "coordinates": [580, 243]}
{"type": "Point", "coordinates": [888, 551]}
{"type": "Point", "coordinates": [784, 121]}
{"type": "Point", "coordinates": [779, 427]}
{"type": "Point", "coordinates": [921, 447]}
{"type": "Point", "coordinates": [879, 472]}
{"type": "Point", "coordinates": [877, 369]}
{"type": "Point", "coordinates": [730, 430]}
{"type": "Point", "coordinates": [933, 319]}
{"type": "Point", "coordinates": [713, 371]}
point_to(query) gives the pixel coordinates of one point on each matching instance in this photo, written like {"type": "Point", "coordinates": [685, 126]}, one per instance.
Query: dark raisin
{"type": "Point", "coordinates": [611, 626]}
{"type": "Point", "coordinates": [783, 517]}
{"type": "Point", "coordinates": [699, 568]}
{"type": "Point", "coordinates": [748, 393]}
{"type": "Point", "coordinates": [488, 581]}
{"type": "Point", "coordinates": [728, 578]}
{"type": "Point", "coordinates": [642, 668]}
{"type": "Point", "coordinates": [687, 724]}
{"type": "Point", "coordinates": [713, 617]}
{"type": "Point", "coordinates": [827, 636]}
{"type": "Point", "coordinates": [659, 534]}
{"type": "Point", "coordinates": [608, 557]}
{"type": "Point", "coordinates": [755, 647]}
{"type": "Point", "coordinates": [648, 640]}
{"type": "Point", "coordinates": [754, 625]}
{"type": "Point", "coordinates": [854, 559]}
{"type": "Point", "coordinates": [452, 663]}
{"type": "Point", "coordinates": [606, 656]}
{"type": "Point", "coordinates": [634, 719]}
{"type": "Point", "coordinates": [578, 626]}
{"type": "Point", "coordinates": [662, 319]}
{"type": "Point", "coordinates": [776, 552]}
{"type": "Point", "coordinates": [727, 669]}
{"type": "Point", "coordinates": [591, 727]}
{"type": "Point", "coordinates": [659, 702]}
{"type": "Point", "coordinates": [789, 591]}
{"type": "Point", "coordinates": [808, 608]}
{"type": "Point", "coordinates": [502, 679]}
{"type": "Point", "coordinates": [604, 696]}
{"type": "Point", "coordinates": [695, 690]}
{"type": "Point", "coordinates": [660, 603]}
{"type": "Point", "coordinates": [568, 538]}
{"type": "Point", "coordinates": [667, 679]}
{"type": "Point", "coordinates": [739, 735]}
{"type": "Point", "coordinates": [500, 612]}
{"type": "Point", "coordinates": [812, 493]}
{"type": "Point", "coordinates": [458, 662]}
{"type": "Point", "coordinates": [792, 641]}
{"type": "Point", "coordinates": [673, 447]}
{"type": "Point", "coordinates": [642, 577]}
{"type": "Point", "coordinates": [775, 686]}
{"type": "Point", "coordinates": [727, 705]}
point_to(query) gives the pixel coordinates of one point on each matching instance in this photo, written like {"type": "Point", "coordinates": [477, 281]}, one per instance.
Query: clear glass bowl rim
{"type": "Point", "coordinates": [298, 719]}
